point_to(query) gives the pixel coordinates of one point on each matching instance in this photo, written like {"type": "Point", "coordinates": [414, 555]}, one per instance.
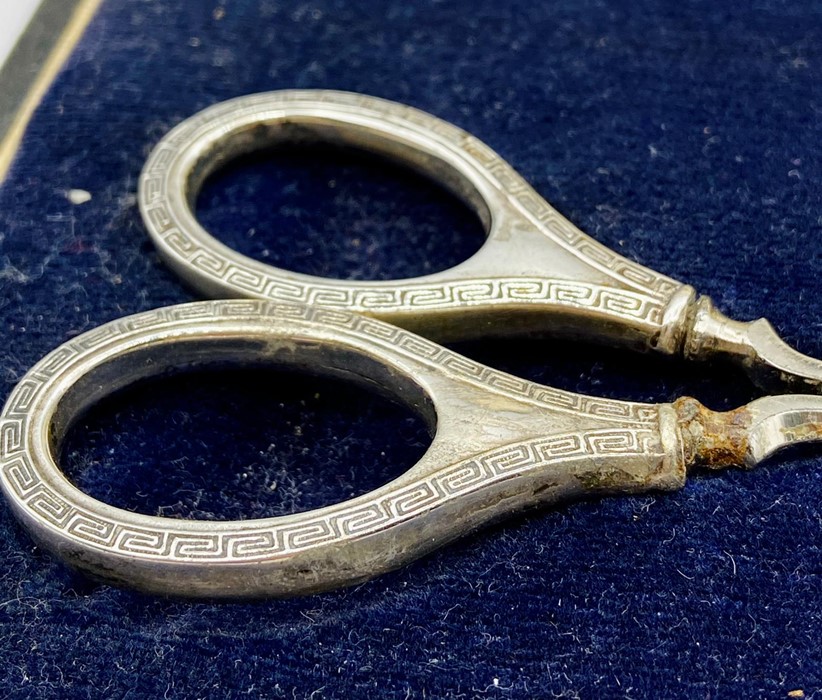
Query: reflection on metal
{"type": "Point", "coordinates": [500, 443]}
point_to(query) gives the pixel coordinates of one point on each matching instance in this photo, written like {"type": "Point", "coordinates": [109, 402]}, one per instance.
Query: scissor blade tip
{"type": "Point", "coordinates": [780, 365]}
{"type": "Point", "coordinates": [780, 421]}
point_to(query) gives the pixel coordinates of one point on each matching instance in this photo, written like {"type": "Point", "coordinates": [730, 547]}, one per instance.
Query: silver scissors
{"type": "Point", "coordinates": [500, 443]}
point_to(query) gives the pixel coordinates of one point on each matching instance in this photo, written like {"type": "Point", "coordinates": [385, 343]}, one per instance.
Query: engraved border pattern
{"type": "Point", "coordinates": [284, 536]}
{"type": "Point", "coordinates": [646, 305]}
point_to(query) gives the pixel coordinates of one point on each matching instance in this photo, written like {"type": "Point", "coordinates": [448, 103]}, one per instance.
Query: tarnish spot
{"type": "Point", "coordinates": [804, 432]}
{"type": "Point", "coordinates": [545, 487]}
{"type": "Point", "coordinates": [711, 439]}
{"type": "Point", "coordinates": [617, 480]}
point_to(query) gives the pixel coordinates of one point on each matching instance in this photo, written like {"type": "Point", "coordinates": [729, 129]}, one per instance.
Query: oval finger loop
{"type": "Point", "coordinates": [535, 271]}
{"type": "Point", "coordinates": [181, 162]}
{"type": "Point", "coordinates": [500, 444]}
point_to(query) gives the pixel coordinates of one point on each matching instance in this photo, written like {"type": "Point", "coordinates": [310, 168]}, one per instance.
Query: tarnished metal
{"type": "Point", "coordinates": [710, 439]}
{"type": "Point", "coordinates": [536, 270]}
{"type": "Point", "coordinates": [500, 443]}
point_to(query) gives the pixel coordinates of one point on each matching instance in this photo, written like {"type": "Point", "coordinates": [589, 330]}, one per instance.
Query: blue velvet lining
{"type": "Point", "coordinates": [685, 135]}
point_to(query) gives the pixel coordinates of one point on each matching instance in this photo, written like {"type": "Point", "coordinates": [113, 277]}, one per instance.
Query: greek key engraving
{"type": "Point", "coordinates": [636, 434]}
{"type": "Point", "coordinates": [645, 301]}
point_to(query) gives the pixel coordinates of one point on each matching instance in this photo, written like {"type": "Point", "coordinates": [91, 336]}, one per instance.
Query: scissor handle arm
{"type": "Point", "coordinates": [500, 444]}
{"type": "Point", "coordinates": [536, 270]}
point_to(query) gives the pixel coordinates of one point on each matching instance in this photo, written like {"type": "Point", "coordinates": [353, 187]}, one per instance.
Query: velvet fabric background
{"type": "Point", "coordinates": [685, 135]}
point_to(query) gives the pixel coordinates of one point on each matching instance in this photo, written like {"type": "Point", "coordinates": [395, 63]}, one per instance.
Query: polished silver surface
{"type": "Point", "coordinates": [536, 270]}
{"type": "Point", "coordinates": [500, 443]}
